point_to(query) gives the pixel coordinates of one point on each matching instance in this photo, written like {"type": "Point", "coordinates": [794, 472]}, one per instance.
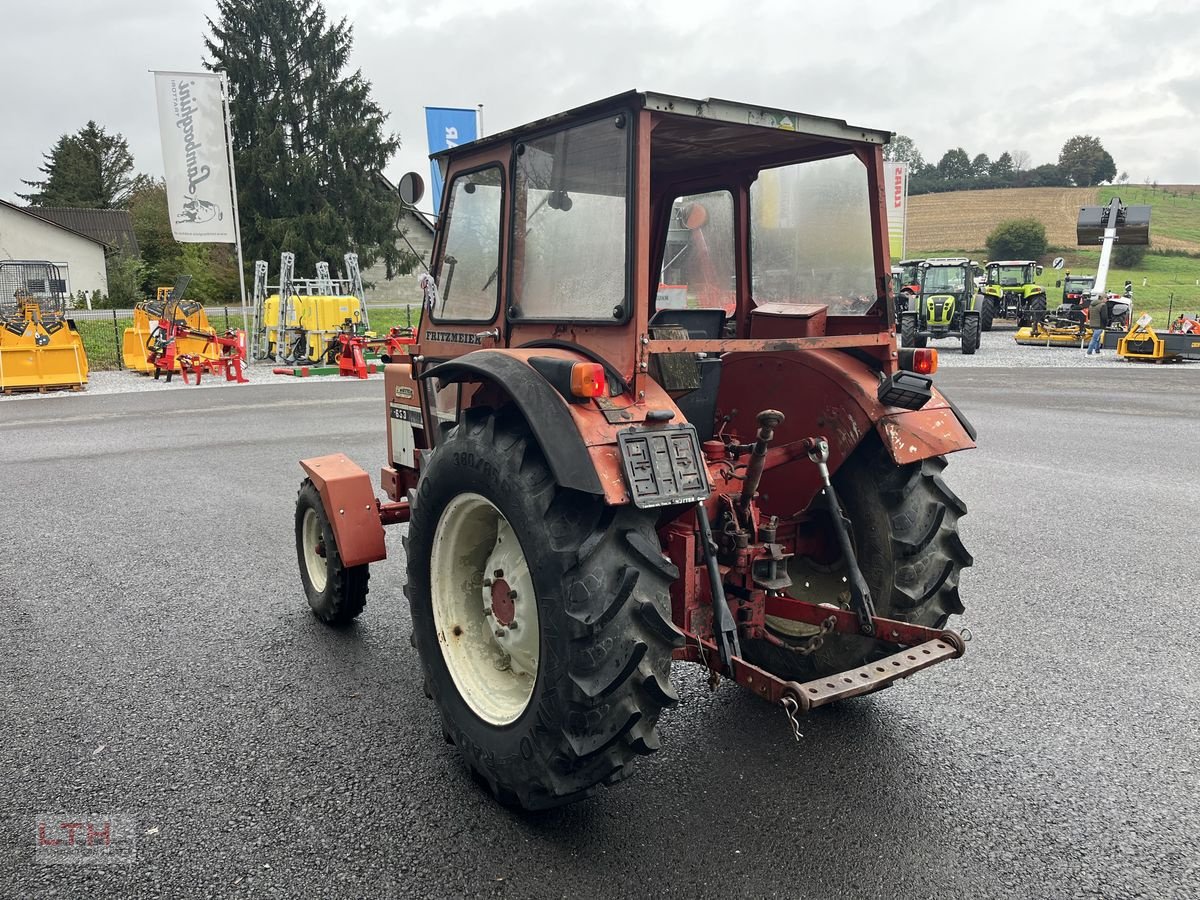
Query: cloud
{"type": "Point", "coordinates": [945, 73]}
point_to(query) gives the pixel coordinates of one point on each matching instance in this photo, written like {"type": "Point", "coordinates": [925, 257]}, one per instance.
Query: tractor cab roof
{"type": "Point", "coordinates": [696, 131]}
{"type": "Point", "coordinates": [1013, 262]}
{"type": "Point", "coordinates": [948, 261]}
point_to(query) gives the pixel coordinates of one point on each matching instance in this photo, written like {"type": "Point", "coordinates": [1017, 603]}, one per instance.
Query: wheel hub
{"type": "Point", "coordinates": [484, 609]}
{"type": "Point", "coordinates": [502, 602]}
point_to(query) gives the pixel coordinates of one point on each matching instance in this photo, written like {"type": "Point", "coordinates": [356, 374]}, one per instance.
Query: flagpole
{"type": "Point", "coordinates": [237, 225]}
{"type": "Point", "coordinates": [479, 119]}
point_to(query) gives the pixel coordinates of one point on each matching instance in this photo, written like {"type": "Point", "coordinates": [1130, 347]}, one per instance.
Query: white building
{"type": "Point", "coordinates": [80, 258]}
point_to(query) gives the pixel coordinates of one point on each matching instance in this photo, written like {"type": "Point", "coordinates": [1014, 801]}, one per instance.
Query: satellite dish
{"type": "Point", "coordinates": [1058, 263]}
{"type": "Point", "coordinates": [411, 189]}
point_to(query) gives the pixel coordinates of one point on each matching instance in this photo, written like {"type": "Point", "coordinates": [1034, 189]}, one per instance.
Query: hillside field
{"type": "Point", "coordinates": [958, 223]}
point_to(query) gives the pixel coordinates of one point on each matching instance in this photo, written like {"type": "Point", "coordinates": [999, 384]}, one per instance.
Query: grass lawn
{"type": "Point", "coordinates": [1174, 213]}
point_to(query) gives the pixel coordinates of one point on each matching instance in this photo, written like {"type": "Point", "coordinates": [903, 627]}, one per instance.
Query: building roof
{"type": "Point", "coordinates": [28, 211]}
{"type": "Point", "coordinates": [112, 227]}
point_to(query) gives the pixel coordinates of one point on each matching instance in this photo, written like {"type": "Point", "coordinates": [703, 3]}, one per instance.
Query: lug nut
{"type": "Point", "coordinates": [512, 595]}
{"type": "Point", "coordinates": [487, 582]}
{"type": "Point", "coordinates": [500, 632]}
{"type": "Point", "coordinates": [499, 573]}
{"type": "Point", "coordinates": [513, 624]}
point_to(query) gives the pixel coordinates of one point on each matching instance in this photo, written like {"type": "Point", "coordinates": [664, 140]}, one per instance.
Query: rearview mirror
{"type": "Point", "coordinates": [1039, 270]}
{"type": "Point", "coordinates": [411, 189]}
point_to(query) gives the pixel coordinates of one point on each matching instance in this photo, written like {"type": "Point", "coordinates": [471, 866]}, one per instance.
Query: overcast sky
{"type": "Point", "coordinates": [989, 77]}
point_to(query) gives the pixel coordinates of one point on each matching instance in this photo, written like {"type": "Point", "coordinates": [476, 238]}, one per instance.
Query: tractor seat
{"type": "Point", "coordinates": [701, 324]}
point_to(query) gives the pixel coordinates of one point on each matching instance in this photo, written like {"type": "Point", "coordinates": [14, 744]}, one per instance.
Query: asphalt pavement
{"type": "Point", "coordinates": [159, 670]}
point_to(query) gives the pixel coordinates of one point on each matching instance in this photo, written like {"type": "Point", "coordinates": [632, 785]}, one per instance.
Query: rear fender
{"type": "Point", "coordinates": [834, 394]}
{"type": "Point", "coordinates": [351, 507]}
{"type": "Point", "coordinates": [579, 440]}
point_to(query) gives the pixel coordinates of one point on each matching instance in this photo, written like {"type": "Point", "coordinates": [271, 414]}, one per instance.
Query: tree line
{"type": "Point", "coordinates": [1082, 162]}
{"type": "Point", "coordinates": [309, 144]}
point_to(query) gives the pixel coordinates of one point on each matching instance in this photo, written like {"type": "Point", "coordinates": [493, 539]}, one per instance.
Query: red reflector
{"type": "Point", "coordinates": [587, 380]}
{"type": "Point", "coordinates": [925, 361]}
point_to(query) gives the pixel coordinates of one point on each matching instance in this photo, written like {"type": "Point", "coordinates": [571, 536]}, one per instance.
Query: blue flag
{"type": "Point", "coordinates": [446, 128]}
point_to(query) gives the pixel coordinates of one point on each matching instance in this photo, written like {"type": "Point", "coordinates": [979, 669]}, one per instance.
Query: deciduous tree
{"type": "Point", "coordinates": [1017, 239]}
{"type": "Point", "coordinates": [902, 149]}
{"type": "Point", "coordinates": [1085, 161]}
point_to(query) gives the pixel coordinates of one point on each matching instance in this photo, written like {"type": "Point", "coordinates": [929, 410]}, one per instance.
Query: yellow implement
{"type": "Point", "coordinates": [1144, 344]}
{"type": "Point", "coordinates": [314, 320]}
{"type": "Point", "coordinates": [40, 348]}
{"type": "Point", "coordinates": [168, 304]}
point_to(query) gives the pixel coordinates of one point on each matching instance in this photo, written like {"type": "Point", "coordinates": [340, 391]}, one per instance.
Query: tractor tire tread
{"type": "Point", "coordinates": [614, 651]}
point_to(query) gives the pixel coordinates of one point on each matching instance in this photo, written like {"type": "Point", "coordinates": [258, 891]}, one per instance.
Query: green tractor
{"type": "Point", "coordinates": [1012, 293]}
{"type": "Point", "coordinates": [947, 305]}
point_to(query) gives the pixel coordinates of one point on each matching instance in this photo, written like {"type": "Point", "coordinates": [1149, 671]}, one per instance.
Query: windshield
{"type": "Point", "coordinates": [944, 279]}
{"type": "Point", "coordinates": [810, 236]}
{"type": "Point", "coordinates": [1010, 276]}
{"type": "Point", "coordinates": [1079, 284]}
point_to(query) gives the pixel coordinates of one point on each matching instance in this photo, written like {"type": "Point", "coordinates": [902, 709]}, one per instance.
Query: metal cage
{"type": "Point", "coordinates": [23, 281]}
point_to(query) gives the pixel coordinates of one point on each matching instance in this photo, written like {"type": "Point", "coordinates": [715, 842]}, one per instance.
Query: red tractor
{"type": "Point", "coordinates": [602, 478]}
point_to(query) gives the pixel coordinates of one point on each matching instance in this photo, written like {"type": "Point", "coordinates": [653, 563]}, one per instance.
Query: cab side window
{"type": "Point", "coordinates": [468, 280]}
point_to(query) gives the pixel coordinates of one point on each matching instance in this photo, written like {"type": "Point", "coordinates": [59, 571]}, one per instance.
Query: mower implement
{"type": "Point", "coordinates": [652, 416]}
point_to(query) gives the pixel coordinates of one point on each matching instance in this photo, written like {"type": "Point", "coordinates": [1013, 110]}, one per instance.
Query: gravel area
{"type": "Point", "coordinates": [126, 382]}
{"type": "Point", "coordinates": [998, 349]}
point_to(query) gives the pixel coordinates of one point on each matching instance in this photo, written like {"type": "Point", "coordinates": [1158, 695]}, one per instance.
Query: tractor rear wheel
{"type": "Point", "coordinates": [987, 312]}
{"type": "Point", "coordinates": [970, 334]}
{"type": "Point", "coordinates": [336, 593]}
{"type": "Point", "coordinates": [905, 530]}
{"type": "Point", "coordinates": [541, 616]}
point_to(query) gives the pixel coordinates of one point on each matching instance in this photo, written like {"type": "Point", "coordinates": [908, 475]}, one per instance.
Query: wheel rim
{"type": "Point", "coordinates": [314, 551]}
{"type": "Point", "coordinates": [484, 609]}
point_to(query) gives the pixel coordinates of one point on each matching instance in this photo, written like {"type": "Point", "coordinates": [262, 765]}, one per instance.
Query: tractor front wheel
{"type": "Point", "coordinates": [908, 331]}
{"type": "Point", "coordinates": [987, 312]}
{"type": "Point", "coordinates": [541, 616]}
{"type": "Point", "coordinates": [905, 533]}
{"type": "Point", "coordinates": [970, 334]}
{"type": "Point", "coordinates": [336, 593]}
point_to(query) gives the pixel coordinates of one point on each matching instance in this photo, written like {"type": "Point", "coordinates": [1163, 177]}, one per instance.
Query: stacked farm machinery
{"type": "Point", "coordinates": [599, 482]}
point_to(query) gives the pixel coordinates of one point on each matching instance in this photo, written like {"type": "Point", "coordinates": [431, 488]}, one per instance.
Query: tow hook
{"type": "Point", "coordinates": [860, 594]}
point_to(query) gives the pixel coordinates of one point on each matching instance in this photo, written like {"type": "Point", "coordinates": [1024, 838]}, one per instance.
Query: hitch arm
{"type": "Point", "coordinates": [860, 593]}
{"type": "Point", "coordinates": [724, 628]}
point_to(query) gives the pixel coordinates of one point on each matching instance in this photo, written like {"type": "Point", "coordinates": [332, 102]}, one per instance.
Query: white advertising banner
{"type": "Point", "coordinates": [895, 175]}
{"type": "Point", "coordinates": [191, 122]}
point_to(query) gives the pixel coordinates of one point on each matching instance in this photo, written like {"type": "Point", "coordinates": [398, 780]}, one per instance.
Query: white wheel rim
{"type": "Point", "coordinates": [486, 624]}
{"type": "Point", "coordinates": [314, 562]}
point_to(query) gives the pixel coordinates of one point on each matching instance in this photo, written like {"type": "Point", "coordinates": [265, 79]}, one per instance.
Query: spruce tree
{"type": "Point", "coordinates": [309, 142]}
{"type": "Point", "coordinates": [91, 169]}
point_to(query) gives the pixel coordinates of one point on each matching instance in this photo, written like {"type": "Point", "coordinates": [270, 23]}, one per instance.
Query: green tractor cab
{"type": "Point", "coordinates": [1011, 292]}
{"type": "Point", "coordinates": [947, 305]}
